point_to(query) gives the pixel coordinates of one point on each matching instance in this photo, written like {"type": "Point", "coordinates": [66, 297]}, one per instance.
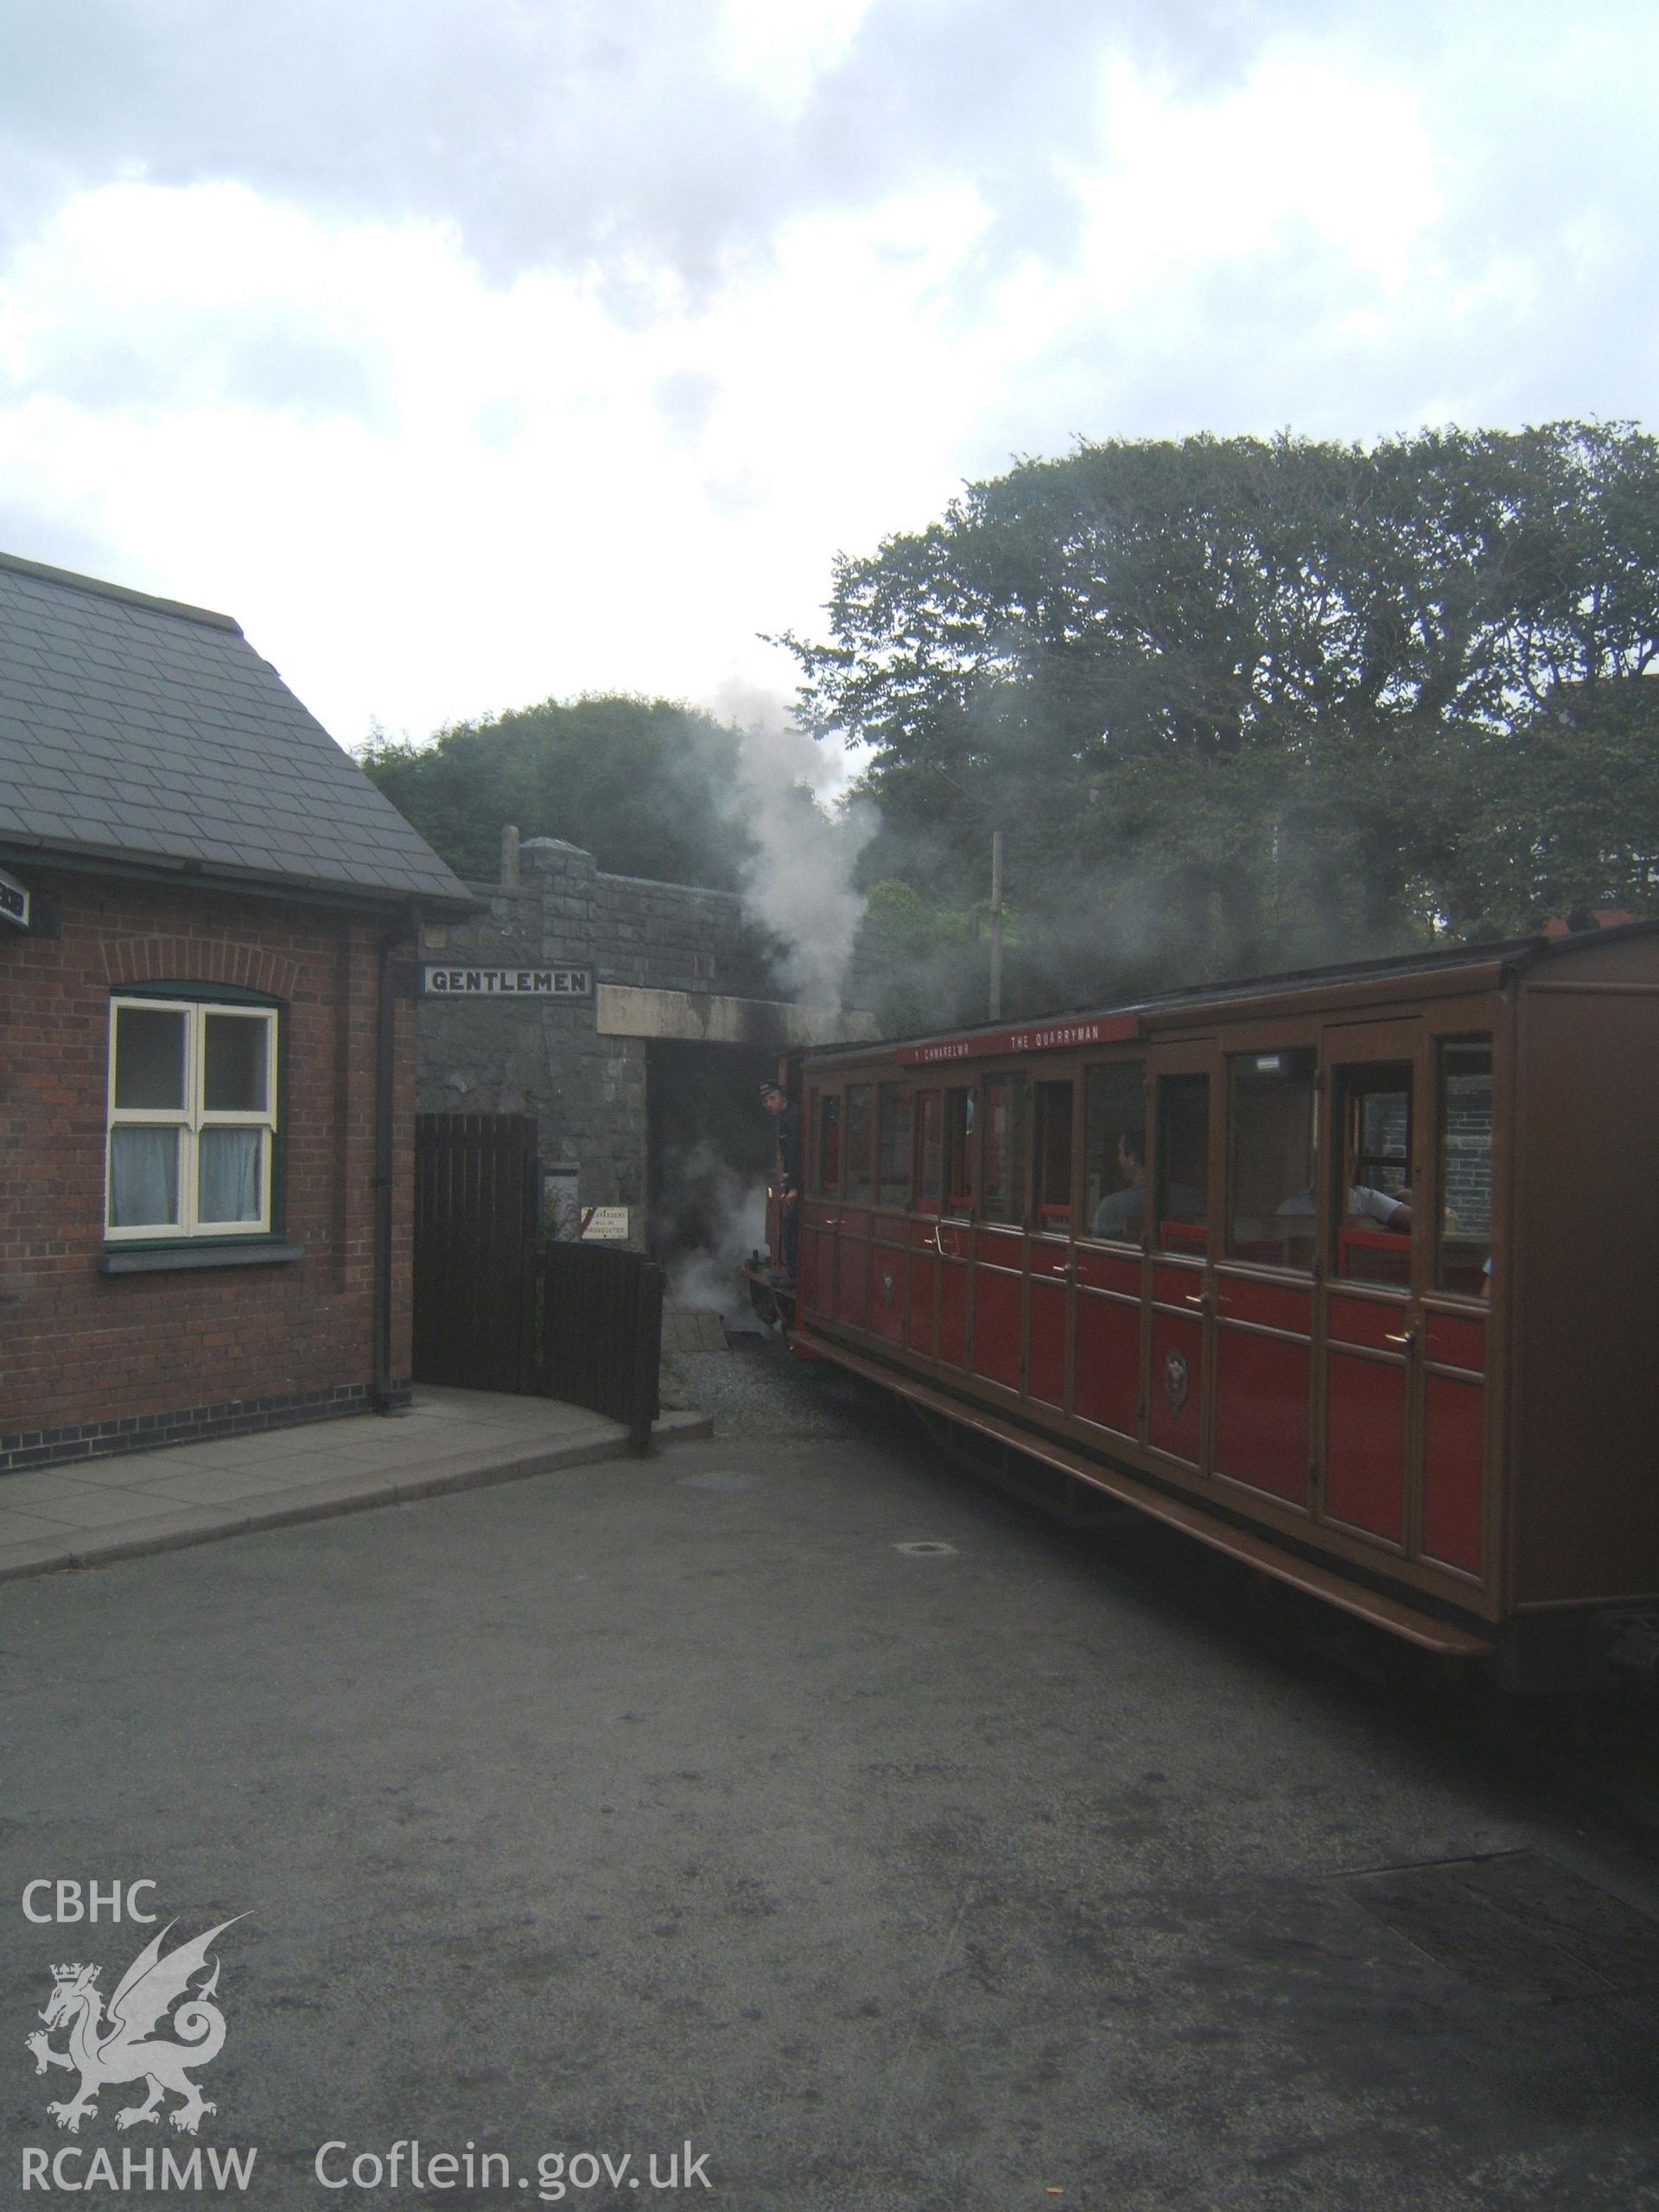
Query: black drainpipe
{"type": "Point", "coordinates": [385, 1132]}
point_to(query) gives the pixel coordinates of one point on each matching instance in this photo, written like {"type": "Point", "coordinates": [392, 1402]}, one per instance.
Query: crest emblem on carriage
{"type": "Point", "coordinates": [887, 1286]}
{"type": "Point", "coordinates": [122, 2044]}
{"type": "Point", "coordinates": [1177, 1380]}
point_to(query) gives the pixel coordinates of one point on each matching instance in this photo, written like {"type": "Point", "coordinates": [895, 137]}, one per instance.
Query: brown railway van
{"type": "Point", "coordinates": [1352, 1274]}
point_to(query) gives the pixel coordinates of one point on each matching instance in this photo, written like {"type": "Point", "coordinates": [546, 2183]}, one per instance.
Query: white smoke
{"type": "Point", "coordinates": [727, 1212]}
{"type": "Point", "coordinates": [801, 886]}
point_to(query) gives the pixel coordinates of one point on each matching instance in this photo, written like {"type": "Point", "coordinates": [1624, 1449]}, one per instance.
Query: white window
{"type": "Point", "coordinates": [193, 1119]}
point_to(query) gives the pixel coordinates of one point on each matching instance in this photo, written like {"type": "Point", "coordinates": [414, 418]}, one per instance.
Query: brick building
{"type": "Point", "coordinates": [206, 1080]}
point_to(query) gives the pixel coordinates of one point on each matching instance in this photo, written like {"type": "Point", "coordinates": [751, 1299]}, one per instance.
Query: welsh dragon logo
{"type": "Point", "coordinates": [120, 2046]}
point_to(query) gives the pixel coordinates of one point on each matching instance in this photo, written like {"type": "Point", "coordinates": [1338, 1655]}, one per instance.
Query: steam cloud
{"type": "Point", "coordinates": [726, 1212]}
{"type": "Point", "coordinates": [802, 882]}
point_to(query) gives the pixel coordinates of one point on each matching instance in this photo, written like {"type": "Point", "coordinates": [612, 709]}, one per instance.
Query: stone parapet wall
{"type": "Point", "coordinates": [670, 936]}
{"type": "Point", "coordinates": [586, 1092]}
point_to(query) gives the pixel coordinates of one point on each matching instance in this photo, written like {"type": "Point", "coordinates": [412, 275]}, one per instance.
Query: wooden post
{"type": "Point", "coordinates": [996, 924]}
{"type": "Point", "coordinates": [643, 1382]}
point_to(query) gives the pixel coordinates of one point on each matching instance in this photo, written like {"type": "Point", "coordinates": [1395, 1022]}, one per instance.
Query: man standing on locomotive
{"type": "Point", "coordinates": [776, 1101]}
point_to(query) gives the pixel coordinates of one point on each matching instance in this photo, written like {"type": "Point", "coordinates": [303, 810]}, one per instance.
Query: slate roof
{"type": "Point", "coordinates": [138, 730]}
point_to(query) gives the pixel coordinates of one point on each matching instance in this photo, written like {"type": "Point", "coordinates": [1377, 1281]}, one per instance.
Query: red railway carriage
{"type": "Point", "coordinates": [1352, 1274]}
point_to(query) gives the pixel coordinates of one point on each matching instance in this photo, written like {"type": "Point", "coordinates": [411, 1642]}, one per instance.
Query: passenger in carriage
{"type": "Point", "coordinates": [1389, 1209]}
{"type": "Point", "coordinates": [1385, 1208]}
{"type": "Point", "coordinates": [1122, 1213]}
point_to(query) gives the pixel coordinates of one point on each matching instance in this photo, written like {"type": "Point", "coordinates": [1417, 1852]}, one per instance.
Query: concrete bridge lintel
{"type": "Point", "coordinates": [707, 1017]}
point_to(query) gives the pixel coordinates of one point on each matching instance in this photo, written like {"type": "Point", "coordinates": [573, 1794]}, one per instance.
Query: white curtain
{"type": "Point", "coordinates": [230, 1175]}
{"type": "Point", "coordinates": [143, 1177]}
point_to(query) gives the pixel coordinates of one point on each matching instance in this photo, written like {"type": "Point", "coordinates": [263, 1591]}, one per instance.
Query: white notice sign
{"type": "Point", "coordinates": [605, 1224]}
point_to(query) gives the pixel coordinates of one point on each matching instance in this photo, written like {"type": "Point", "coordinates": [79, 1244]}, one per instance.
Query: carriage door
{"type": "Point", "coordinates": [1265, 1295]}
{"type": "Point", "coordinates": [956, 1231]}
{"type": "Point", "coordinates": [1048, 1295]}
{"type": "Point", "coordinates": [821, 1208]}
{"type": "Point", "coordinates": [927, 1138]}
{"type": "Point", "coordinates": [889, 1254]}
{"type": "Point", "coordinates": [857, 1190]}
{"type": "Point", "coordinates": [1110, 1286]}
{"type": "Point", "coordinates": [1373, 1316]}
{"type": "Point", "coordinates": [1182, 1288]}
{"type": "Point", "coordinates": [1451, 1527]}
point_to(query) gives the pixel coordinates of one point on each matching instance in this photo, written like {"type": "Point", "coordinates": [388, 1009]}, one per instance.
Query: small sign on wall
{"type": "Point", "coordinates": [605, 1224]}
{"type": "Point", "coordinates": [14, 901]}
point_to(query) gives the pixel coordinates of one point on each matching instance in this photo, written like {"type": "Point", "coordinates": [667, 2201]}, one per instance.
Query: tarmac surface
{"type": "Point", "coordinates": [86, 1512]}
{"type": "Point", "coordinates": [790, 1796]}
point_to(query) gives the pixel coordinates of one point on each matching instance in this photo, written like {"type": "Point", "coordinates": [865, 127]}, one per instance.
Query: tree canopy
{"type": "Point", "coordinates": [644, 784]}
{"type": "Point", "coordinates": [1243, 704]}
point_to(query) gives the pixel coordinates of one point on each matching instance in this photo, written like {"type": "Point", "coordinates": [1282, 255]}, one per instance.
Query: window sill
{"type": "Point", "coordinates": [113, 1260]}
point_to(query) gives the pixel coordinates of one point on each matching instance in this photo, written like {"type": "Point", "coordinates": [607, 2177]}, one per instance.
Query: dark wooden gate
{"type": "Point", "coordinates": [476, 1206]}
{"type": "Point", "coordinates": [495, 1309]}
{"type": "Point", "coordinates": [603, 1333]}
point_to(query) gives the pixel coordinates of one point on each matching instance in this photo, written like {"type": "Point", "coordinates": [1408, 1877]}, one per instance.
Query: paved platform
{"type": "Point", "coordinates": [692, 1328]}
{"type": "Point", "coordinates": [96, 1509]}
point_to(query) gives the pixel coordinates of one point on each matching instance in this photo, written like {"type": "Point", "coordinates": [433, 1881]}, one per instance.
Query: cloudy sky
{"type": "Point", "coordinates": [474, 351]}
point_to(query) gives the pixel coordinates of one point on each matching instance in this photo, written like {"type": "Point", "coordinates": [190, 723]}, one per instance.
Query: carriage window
{"type": "Point", "coordinates": [1272, 1137]}
{"type": "Point", "coordinates": [827, 1151]}
{"type": "Point", "coordinates": [1115, 1150]}
{"type": "Point", "coordinates": [1182, 1213]}
{"type": "Point", "coordinates": [859, 1141]}
{"type": "Point", "coordinates": [959, 1155]}
{"type": "Point", "coordinates": [929, 1149]}
{"type": "Point", "coordinates": [1005, 1147]}
{"type": "Point", "coordinates": [1463, 1248]}
{"type": "Point", "coordinates": [1370, 1210]}
{"type": "Point", "coordinates": [1051, 1154]}
{"type": "Point", "coordinates": [893, 1145]}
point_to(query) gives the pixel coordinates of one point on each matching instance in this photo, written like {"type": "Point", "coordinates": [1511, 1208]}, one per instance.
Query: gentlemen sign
{"type": "Point", "coordinates": [14, 901]}
{"type": "Point", "coordinates": [506, 983]}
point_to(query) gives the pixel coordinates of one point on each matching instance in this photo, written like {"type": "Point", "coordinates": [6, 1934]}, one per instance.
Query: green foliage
{"type": "Point", "coordinates": [1240, 705]}
{"type": "Point", "coordinates": [641, 783]}
{"type": "Point", "coordinates": [921, 964]}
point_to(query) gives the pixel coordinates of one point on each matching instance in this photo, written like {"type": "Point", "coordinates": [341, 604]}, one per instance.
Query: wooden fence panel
{"type": "Point", "coordinates": [494, 1310]}
{"type": "Point", "coordinates": [603, 1332]}
{"type": "Point", "coordinates": [477, 1187]}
